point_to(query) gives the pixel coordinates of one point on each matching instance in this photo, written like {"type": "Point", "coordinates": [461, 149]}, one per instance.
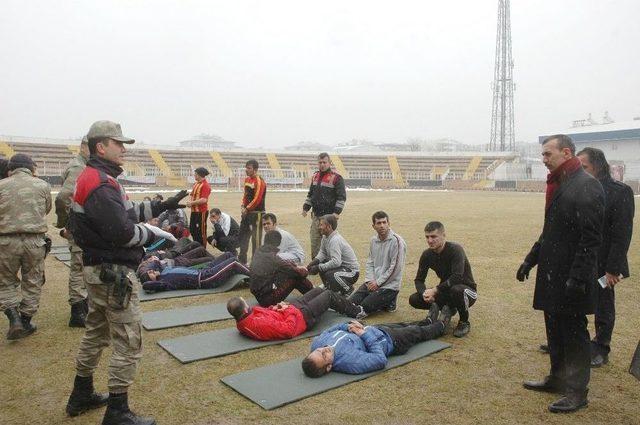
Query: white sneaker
{"type": "Point", "coordinates": [363, 314]}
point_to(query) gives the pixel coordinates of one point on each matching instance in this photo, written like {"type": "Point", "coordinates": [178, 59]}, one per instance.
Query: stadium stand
{"type": "Point", "coordinates": [174, 167]}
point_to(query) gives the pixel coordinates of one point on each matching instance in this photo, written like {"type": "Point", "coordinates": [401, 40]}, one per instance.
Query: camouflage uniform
{"type": "Point", "coordinates": [106, 324]}
{"type": "Point", "coordinates": [77, 290]}
{"type": "Point", "coordinates": [25, 201]}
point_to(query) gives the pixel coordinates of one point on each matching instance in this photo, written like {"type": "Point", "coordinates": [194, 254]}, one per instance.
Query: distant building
{"type": "Point", "coordinates": [619, 141]}
{"type": "Point", "coordinates": [308, 147]}
{"type": "Point", "coordinates": [208, 141]}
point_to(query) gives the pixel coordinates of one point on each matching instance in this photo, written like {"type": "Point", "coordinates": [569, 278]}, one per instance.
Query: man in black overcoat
{"type": "Point", "coordinates": [612, 256]}
{"type": "Point", "coordinates": [566, 256]}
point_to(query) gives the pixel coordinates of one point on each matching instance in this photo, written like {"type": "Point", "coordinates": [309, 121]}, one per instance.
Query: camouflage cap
{"type": "Point", "coordinates": [107, 129]}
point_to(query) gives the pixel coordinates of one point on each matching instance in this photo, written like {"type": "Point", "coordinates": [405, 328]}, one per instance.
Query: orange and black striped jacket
{"type": "Point", "coordinates": [255, 192]}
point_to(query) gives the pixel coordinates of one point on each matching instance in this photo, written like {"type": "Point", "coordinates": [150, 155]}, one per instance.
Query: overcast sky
{"type": "Point", "coordinates": [273, 73]}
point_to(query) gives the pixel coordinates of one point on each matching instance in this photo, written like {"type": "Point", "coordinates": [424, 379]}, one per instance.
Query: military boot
{"type": "Point", "coordinates": [29, 328]}
{"type": "Point", "coordinates": [84, 397]}
{"type": "Point", "coordinates": [16, 330]}
{"type": "Point", "coordinates": [78, 315]}
{"type": "Point", "coordinates": [118, 412]}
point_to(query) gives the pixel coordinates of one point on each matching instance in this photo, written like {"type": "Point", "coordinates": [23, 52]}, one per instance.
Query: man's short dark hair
{"type": "Point", "coordinates": [322, 155]}
{"type": "Point", "coordinates": [235, 307]}
{"type": "Point", "coordinates": [433, 226]}
{"type": "Point", "coordinates": [564, 141]}
{"type": "Point", "coordinates": [93, 143]}
{"type": "Point", "coordinates": [215, 211]}
{"type": "Point", "coordinates": [159, 197]}
{"type": "Point", "coordinates": [252, 163]}
{"type": "Point", "coordinates": [311, 369]}
{"type": "Point", "coordinates": [379, 215]}
{"type": "Point", "coordinates": [269, 216]}
{"type": "Point", "coordinates": [144, 276]}
{"type": "Point", "coordinates": [272, 238]}
{"type": "Point", "coordinates": [331, 220]}
{"type": "Point", "coordinates": [598, 160]}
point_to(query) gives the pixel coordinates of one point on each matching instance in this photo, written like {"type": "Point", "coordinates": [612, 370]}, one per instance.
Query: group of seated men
{"type": "Point", "coordinates": [276, 270]}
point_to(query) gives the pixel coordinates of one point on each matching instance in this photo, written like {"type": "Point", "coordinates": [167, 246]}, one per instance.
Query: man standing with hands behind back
{"type": "Point", "coordinates": [566, 255]}
{"type": "Point", "coordinates": [327, 195]}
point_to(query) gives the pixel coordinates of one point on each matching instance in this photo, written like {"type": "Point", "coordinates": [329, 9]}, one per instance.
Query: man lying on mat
{"type": "Point", "coordinates": [174, 278]}
{"type": "Point", "coordinates": [354, 348]}
{"type": "Point", "coordinates": [287, 320]}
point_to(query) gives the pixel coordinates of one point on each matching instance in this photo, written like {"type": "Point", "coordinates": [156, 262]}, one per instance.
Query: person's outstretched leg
{"type": "Point", "coordinates": [405, 336]}
{"type": "Point", "coordinates": [212, 277]}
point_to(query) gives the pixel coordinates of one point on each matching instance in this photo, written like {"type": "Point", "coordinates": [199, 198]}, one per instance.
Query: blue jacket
{"type": "Point", "coordinates": [180, 275]}
{"type": "Point", "coordinates": [355, 354]}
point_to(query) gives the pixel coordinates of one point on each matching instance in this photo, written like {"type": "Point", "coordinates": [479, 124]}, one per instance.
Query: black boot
{"type": "Point", "coordinates": [16, 330]}
{"type": "Point", "coordinates": [78, 315]}
{"type": "Point", "coordinates": [570, 403]}
{"type": "Point", "coordinates": [84, 397]}
{"type": "Point", "coordinates": [29, 328]}
{"type": "Point", "coordinates": [118, 412]}
{"type": "Point", "coordinates": [85, 306]}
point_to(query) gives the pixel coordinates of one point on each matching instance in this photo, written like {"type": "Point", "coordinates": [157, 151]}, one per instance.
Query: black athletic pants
{"type": "Point", "coordinates": [569, 349]}
{"type": "Point", "coordinates": [340, 279]}
{"type": "Point", "coordinates": [460, 297]}
{"type": "Point", "coordinates": [250, 229]}
{"type": "Point", "coordinates": [223, 242]}
{"type": "Point", "coordinates": [194, 257]}
{"type": "Point", "coordinates": [198, 227]}
{"type": "Point", "coordinates": [317, 301]}
{"type": "Point", "coordinates": [406, 335]}
{"type": "Point", "coordinates": [605, 318]}
{"type": "Point", "coordinates": [283, 290]}
{"type": "Point", "coordinates": [373, 301]}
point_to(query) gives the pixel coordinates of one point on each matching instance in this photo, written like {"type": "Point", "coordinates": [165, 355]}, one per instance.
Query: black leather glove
{"type": "Point", "coordinates": [173, 203]}
{"type": "Point", "coordinates": [575, 288]}
{"type": "Point", "coordinates": [523, 271]}
{"type": "Point", "coordinates": [314, 269]}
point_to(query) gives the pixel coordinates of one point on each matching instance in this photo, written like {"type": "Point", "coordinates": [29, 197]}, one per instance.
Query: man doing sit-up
{"type": "Point", "coordinates": [354, 348]}
{"type": "Point", "coordinates": [272, 278]}
{"type": "Point", "coordinates": [287, 320]}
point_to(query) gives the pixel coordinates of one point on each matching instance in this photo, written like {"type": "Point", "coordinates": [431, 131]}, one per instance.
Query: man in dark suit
{"type": "Point", "coordinates": [566, 256]}
{"type": "Point", "coordinates": [612, 256]}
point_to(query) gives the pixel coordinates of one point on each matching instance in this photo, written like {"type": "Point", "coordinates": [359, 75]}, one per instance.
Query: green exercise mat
{"type": "Point", "coordinates": [59, 249]}
{"type": "Point", "coordinates": [171, 318]}
{"type": "Point", "coordinates": [63, 256]}
{"type": "Point", "coordinates": [231, 283]}
{"type": "Point", "coordinates": [206, 345]}
{"type": "Point", "coordinates": [283, 383]}
{"type": "Point", "coordinates": [164, 319]}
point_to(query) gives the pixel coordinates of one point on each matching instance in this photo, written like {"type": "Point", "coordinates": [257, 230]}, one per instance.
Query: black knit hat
{"type": "Point", "coordinates": [21, 160]}
{"type": "Point", "coordinates": [3, 168]}
{"type": "Point", "coordinates": [201, 171]}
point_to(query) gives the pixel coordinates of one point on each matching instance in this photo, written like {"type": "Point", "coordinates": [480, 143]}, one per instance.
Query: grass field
{"type": "Point", "coordinates": [478, 380]}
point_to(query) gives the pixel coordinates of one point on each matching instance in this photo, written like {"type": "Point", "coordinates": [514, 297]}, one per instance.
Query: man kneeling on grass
{"type": "Point", "coordinates": [287, 320]}
{"type": "Point", "coordinates": [176, 278]}
{"type": "Point", "coordinates": [354, 348]}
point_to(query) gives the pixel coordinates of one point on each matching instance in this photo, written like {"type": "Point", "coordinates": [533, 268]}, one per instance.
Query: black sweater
{"type": "Point", "coordinates": [451, 266]}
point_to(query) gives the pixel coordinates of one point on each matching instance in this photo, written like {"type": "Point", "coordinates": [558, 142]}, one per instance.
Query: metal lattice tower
{"type": "Point", "coordinates": [502, 129]}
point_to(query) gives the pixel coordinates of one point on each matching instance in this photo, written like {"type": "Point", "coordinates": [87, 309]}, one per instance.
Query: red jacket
{"type": "Point", "coordinates": [265, 324]}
